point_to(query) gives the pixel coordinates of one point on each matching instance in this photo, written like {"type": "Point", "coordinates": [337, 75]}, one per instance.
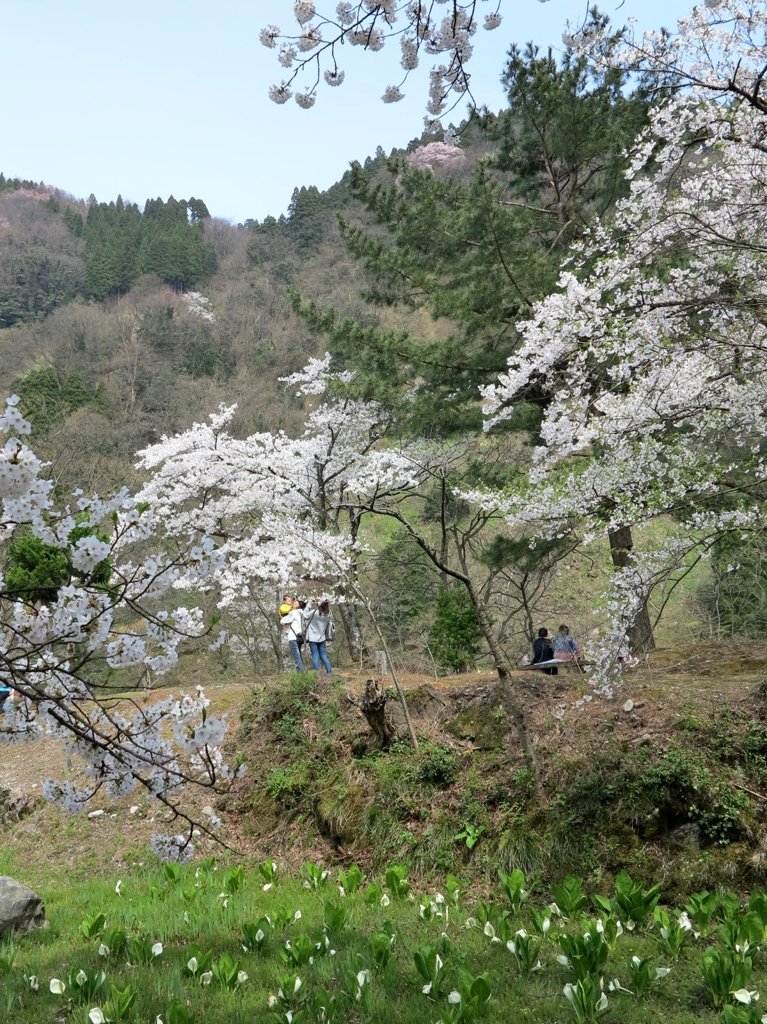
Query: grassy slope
{"type": "Point", "coordinates": [673, 790]}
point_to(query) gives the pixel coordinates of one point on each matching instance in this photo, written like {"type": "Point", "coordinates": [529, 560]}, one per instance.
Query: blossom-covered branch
{"type": "Point", "coordinates": [94, 607]}
{"type": "Point", "coordinates": [311, 51]}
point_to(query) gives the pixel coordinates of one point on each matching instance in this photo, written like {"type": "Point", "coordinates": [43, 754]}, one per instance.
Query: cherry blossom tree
{"type": "Point", "coordinates": [437, 156]}
{"type": "Point", "coordinates": [284, 510]}
{"type": "Point", "coordinates": [289, 509]}
{"type": "Point", "coordinates": [103, 609]}
{"type": "Point", "coordinates": [652, 353]}
{"type": "Point", "coordinates": [275, 503]}
{"type": "Point", "coordinates": [310, 51]}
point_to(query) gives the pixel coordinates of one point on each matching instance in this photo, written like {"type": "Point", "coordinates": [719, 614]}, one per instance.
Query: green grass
{"type": "Point", "coordinates": [181, 913]}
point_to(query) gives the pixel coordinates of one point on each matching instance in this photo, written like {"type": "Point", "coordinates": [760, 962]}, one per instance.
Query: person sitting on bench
{"type": "Point", "coordinates": [565, 648]}
{"type": "Point", "coordinates": [543, 651]}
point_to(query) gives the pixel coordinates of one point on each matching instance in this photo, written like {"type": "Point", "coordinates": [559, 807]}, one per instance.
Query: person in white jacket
{"type": "Point", "coordinates": [317, 621]}
{"type": "Point", "coordinates": [293, 624]}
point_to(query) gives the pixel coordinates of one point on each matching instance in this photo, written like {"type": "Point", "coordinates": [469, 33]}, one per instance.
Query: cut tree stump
{"type": "Point", "coordinates": [373, 707]}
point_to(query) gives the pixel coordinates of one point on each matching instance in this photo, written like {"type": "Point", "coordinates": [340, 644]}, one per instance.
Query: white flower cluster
{"type": "Point", "coordinates": [315, 377]}
{"type": "Point", "coordinates": [12, 422]}
{"type": "Point", "coordinates": [269, 36]}
{"type": "Point", "coordinates": [88, 552]}
{"type": "Point", "coordinates": [280, 93]}
{"type": "Point", "coordinates": [287, 55]}
{"type": "Point", "coordinates": [197, 305]}
{"type": "Point", "coordinates": [393, 94]}
{"type": "Point", "coordinates": [172, 848]}
{"type": "Point", "coordinates": [304, 11]}
{"type": "Point", "coordinates": [368, 24]}
{"type": "Point", "coordinates": [310, 38]}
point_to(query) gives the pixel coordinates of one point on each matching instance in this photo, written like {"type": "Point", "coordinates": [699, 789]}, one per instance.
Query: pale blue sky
{"type": "Point", "coordinates": [152, 97]}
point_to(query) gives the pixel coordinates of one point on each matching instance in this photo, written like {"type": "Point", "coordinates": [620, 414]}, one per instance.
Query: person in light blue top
{"type": "Point", "coordinates": [565, 648]}
{"type": "Point", "coordinates": [317, 620]}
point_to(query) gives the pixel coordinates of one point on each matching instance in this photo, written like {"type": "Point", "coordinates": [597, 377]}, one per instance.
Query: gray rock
{"type": "Point", "coordinates": [686, 837]}
{"type": "Point", "coordinates": [21, 910]}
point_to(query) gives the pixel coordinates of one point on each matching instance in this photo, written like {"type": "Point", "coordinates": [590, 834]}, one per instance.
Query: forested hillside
{"type": "Point", "coordinates": [98, 339]}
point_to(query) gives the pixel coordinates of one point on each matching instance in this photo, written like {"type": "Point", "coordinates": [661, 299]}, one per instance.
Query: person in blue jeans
{"type": "Point", "coordinates": [293, 624]}
{"type": "Point", "coordinates": [316, 622]}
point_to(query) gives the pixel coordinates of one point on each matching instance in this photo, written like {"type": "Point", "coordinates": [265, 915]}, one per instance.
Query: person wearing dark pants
{"type": "Point", "coordinates": [543, 651]}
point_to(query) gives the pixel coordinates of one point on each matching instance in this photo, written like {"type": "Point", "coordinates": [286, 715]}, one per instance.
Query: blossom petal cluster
{"type": "Point", "coordinates": [312, 48]}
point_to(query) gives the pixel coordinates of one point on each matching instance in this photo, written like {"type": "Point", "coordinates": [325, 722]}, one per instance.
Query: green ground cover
{"type": "Point", "coordinates": [215, 944]}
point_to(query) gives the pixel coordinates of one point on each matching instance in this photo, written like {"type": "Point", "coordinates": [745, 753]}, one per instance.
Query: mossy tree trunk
{"type": "Point", "coordinates": [373, 707]}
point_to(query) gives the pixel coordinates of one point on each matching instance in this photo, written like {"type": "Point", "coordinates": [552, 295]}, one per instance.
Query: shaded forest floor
{"type": "Point", "coordinates": [674, 788]}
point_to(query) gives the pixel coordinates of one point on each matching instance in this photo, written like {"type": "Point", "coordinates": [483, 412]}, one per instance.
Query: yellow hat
{"type": "Point", "coordinates": [285, 609]}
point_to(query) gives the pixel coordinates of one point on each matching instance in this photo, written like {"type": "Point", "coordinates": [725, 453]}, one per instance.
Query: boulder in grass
{"type": "Point", "coordinates": [21, 910]}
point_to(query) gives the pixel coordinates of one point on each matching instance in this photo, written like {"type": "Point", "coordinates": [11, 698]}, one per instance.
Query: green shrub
{"type": "Point", "coordinates": [439, 766]}
{"type": "Point", "coordinates": [455, 633]}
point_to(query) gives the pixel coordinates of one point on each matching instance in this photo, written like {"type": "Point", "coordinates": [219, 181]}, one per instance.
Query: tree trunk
{"type": "Point", "coordinates": [640, 634]}
{"type": "Point", "coordinates": [351, 630]}
{"type": "Point", "coordinates": [275, 629]}
{"type": "Point", "coordinates": [514, 707]}
{"type": "Point", "coordinates": [373, 707]}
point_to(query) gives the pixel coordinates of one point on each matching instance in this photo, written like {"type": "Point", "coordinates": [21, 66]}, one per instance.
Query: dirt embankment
{"type": "Point", "coordinates": [669, 778]}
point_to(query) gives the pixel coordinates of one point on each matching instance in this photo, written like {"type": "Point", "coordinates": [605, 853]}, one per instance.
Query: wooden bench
{"type": "Point", "coordinates": [556, 663]}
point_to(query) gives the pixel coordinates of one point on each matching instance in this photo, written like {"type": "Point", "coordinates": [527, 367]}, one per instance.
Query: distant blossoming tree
{"type": "Point", "coordinates": [436, 156]}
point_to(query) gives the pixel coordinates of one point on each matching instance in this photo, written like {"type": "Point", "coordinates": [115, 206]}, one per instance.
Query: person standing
{"type": "Point", "coordinates": [317, 622]}
{"type": "Point", "coordinates": [293, 624]}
